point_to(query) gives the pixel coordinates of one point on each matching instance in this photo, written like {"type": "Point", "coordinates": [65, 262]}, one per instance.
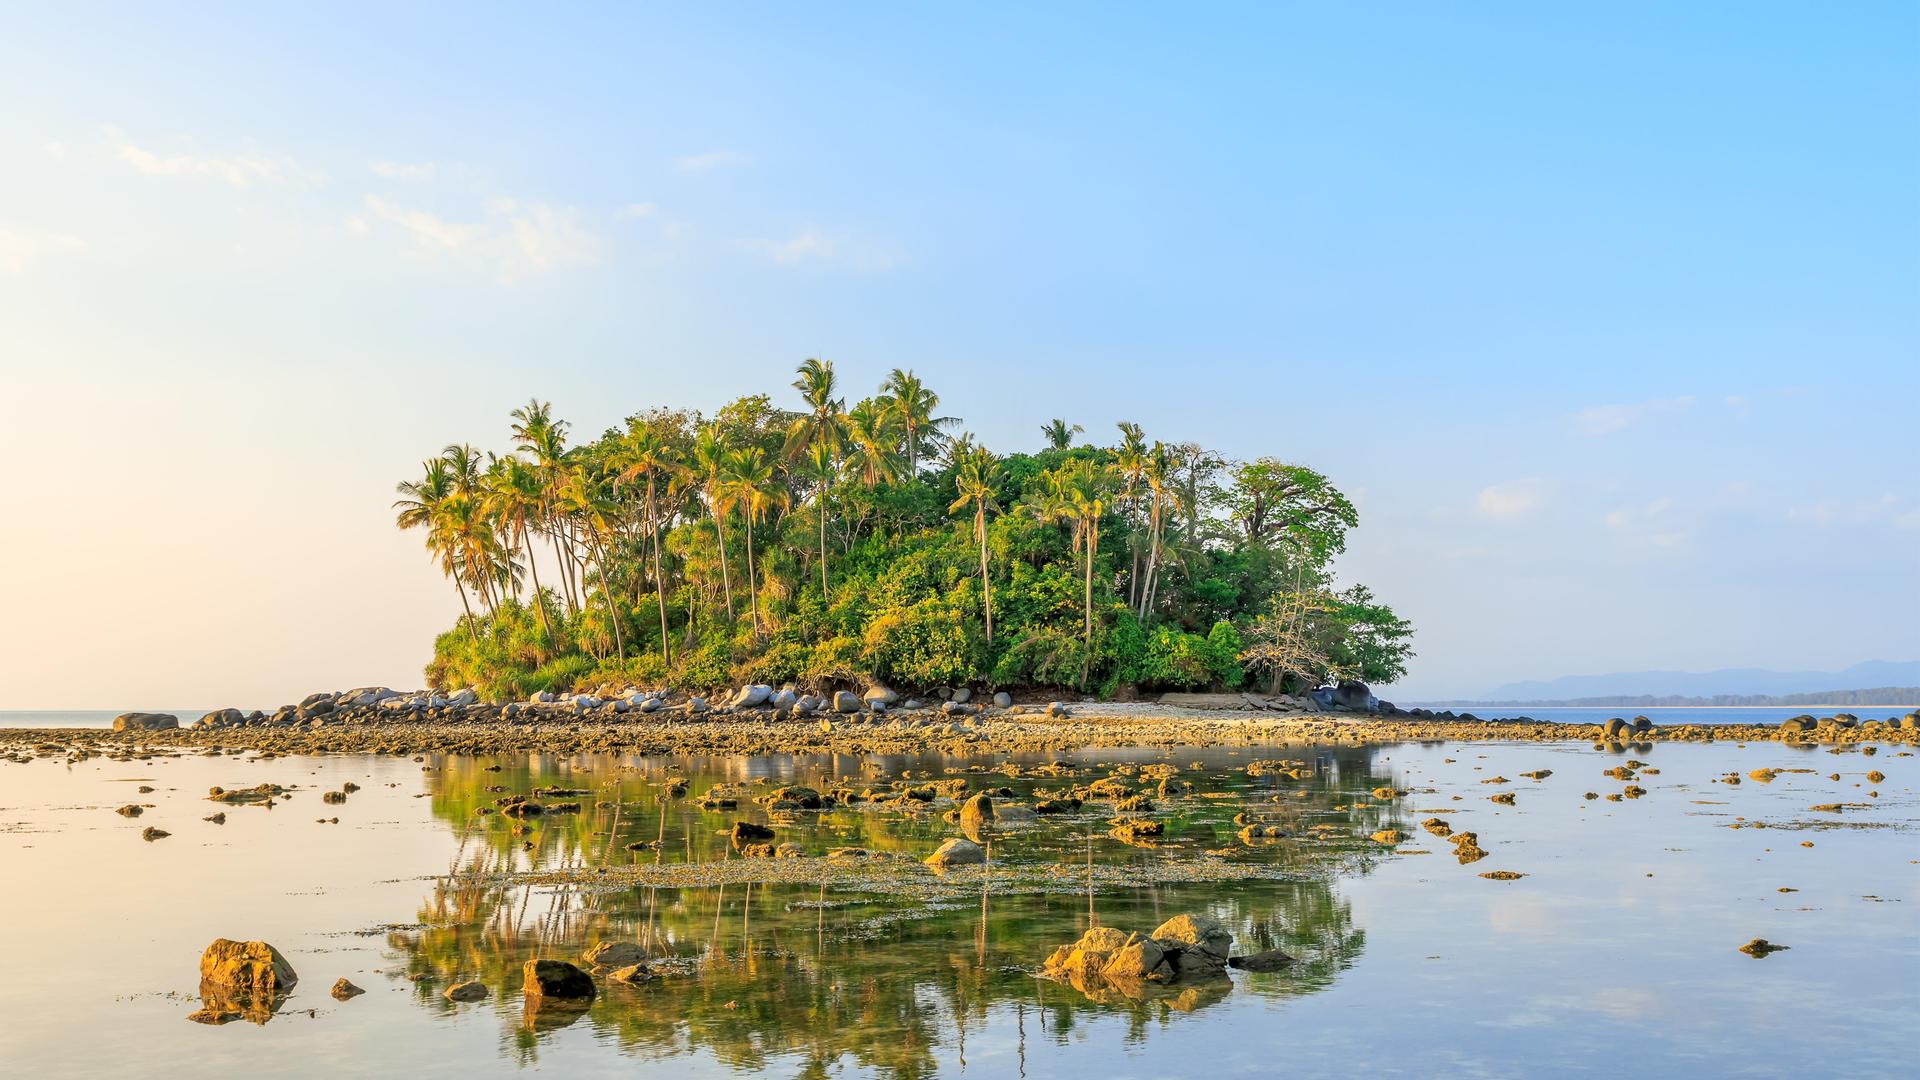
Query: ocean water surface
{"type": "Point", "coordinates": [1617, 952]}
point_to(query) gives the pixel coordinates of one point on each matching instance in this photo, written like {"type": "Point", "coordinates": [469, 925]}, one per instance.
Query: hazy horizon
{"type": "Point", "coordinates": [1605, 319]}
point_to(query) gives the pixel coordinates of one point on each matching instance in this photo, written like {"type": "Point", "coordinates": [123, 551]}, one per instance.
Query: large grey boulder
{"type": "Point", "coordinates": [846, 702]}
{"type": "Point", "coordinates": [145, 721]}
{"type": "Point", "coordinates": [963, 695]}
{"type": "Point", "coordinates": [221, 718]}
{"type": "Point", "coordinates": [752, 696]}
{"type": "Point", "coordinates": [883, 695]}
{"type": "Point", "coordinates": [463, 697]}
{"type": "Point", "coordinates": [1355, 695]}
{"type": "Point", "coordinates": [956, 852]}
{"type": "Point", "coordinates": [785, 699]}
{"type": "Point", "coordinates": [1002, 700]}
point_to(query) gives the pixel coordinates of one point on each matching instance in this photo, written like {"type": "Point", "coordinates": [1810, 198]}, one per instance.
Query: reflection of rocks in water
{"type": "Point", "coordinates": [552, 1014]}
{"type": "Point", "coordinates": [223, 1004]}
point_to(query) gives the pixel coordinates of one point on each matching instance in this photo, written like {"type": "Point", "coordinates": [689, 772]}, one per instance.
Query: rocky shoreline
{"type": "Point", "coordinates": [760, 719]}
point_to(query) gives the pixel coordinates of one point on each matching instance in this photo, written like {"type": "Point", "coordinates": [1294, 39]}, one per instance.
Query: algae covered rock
{"type": "Point", "coordinates": [956, 852]}
{"type": "Point", "coordinates": [555, 979]}
{"type": "Point", "coordinates": [248, 965]}
{"type": "Point", "coordinates": [1200, 944]}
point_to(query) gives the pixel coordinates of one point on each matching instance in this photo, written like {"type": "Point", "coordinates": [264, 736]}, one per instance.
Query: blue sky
{"type": "Point", "coordinates": [1605, 314]}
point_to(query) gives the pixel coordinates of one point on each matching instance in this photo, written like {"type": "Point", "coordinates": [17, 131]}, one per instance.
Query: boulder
{"type": "Point", "coordinates": [786, 698]}
{"type": "Point", "coordinates": [1202, 944]}
{"type": "Point", "coordinates": [1613, 729]}
{"type": "Point", "coordinates": [1087, 958]}
{"type": "Point", "coordinates": [343, 990]}
{"type": "Point", "coordinates": [881, 695]}
{"type": "Point", "coordinates": [1140, 958]}
{"type": "Point", "coordinates": [615, 954]}
{"type": "Point", "coordinates": [697, 705]}
{"type": "Point", "coordinates": [1355, 695]}
{"type": "Point", "coordinates": [221, 718]}
{"type": "Point", "coordinates": [752, 696]}
{"type": "Point", "coordinates": [845, 701]}
{"type": "Point", "coordinates": [631, 974]}
{"type": "Point", "coordinates": [555, 979]}
{"type": "Point", "coordinates": [145, 721]}
{"type": "Point", "coordinates": [745, 832]}
{"type": "Point", "coordinates": [467, 696]}
{"type": "Point", "coordinates": [976, 816]}
{"type": "Point", "coordinates": [962, 695]}
{"type": "Point", "coordinates": [1003, 700]}
{"type": "Point", "coordinates": [246, 965]}
{"type": "Point", "coordinates": [956, 852]}
{"type": "Point", "coordinates": [471, 990]}
{"type": "Point", "coordinates": [647, 705]}
{"type": "Point", "coordinates": [311, 700]}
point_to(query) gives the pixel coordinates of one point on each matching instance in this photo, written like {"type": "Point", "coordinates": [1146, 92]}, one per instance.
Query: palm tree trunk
{"type": "Point", "coordinates": [752, 592]}
{"type": "Point", "coordinates": [659, 583]}
{"type": "Point", "coordinates": [720, 530]}
{"type": "Point", "coordinates": [1153, 559]}
{"type": "Point", "coordinates": [613, 610]}
{"type": "Point", "coordinates": [986, 586]}
{"type": "Point", "coordinates": [472, 633]}
{"type": "Point", "coordinates": [825, 597]}
{"type": "Point", "coordinates": [539, 601]}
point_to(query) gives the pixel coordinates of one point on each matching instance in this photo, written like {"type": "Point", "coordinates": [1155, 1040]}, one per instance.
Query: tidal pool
{"type": "Point", "coordinates": [1616, 952]}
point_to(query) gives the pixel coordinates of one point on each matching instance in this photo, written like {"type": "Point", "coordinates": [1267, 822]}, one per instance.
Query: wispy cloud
{"type": "Point", "coordinates": [1898, 511]}
{"type": "Point", "coordinates": [402, 170]}
{"type": "Point", "coordinates": [635, 210]}
{"type": "Point", "coordinates": [1507, 502]}
{"type": "Point", "coordinates": [811, 244]}
{"type": "Point", "coordinates": [1607, 419]}
{"type": "Point", "coordinates": [1653, 523]}
{"type": "Point", "coordinates": [709, 160]}
{"type": "Point", "coordinates": [18, 249]}
{"type": "Point", "coordinates": [239, 170]}
{"type": "Point", "coordinates": [514, 239]}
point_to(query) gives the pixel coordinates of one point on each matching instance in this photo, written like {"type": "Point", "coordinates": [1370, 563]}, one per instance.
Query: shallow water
{"type": "Point", "coordinates": [1617, 953]}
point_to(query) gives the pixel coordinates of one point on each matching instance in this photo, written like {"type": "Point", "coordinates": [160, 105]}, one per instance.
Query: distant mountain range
{"type": "Point", "coordinates": [1728, 686]}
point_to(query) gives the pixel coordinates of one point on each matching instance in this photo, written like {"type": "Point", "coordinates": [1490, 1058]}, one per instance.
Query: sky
{"type": "Point", "coordinates": [1606, 315]}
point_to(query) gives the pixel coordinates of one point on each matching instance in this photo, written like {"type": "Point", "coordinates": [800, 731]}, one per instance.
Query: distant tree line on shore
{"type": "Point", "coordinates": [832, 543]}
{"type": "Point", "coordinates": [1876, 696]}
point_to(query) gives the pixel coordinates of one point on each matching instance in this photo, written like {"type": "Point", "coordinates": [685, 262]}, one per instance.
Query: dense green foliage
{"type": "Point", "coordinates": [831, 545]}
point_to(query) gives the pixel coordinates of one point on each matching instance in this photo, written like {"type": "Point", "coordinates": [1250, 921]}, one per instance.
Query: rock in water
{"type": "Point", "coordinates": [1271, 960]}
{"type": "Point", "coordinates": [956, 852]}
{"type": "Point", "coordinates": [249, 965]}
{"type": "Point", "coordinates": [632, 973]}
{"type": "Point", "coordinates": [1202, 944]}
{"type": "Point", "coordinates": [343, 990]}
{"type": "Point", "coordinates": [1140, 958]}
{"type": "Point", "coordinates": [615, 954]}
{"type": "Point", "coordinates": [556, 979]}
{"type": "Point", "coordinates": [471, 990]}
{"type": "Point", "coordinates": [976, 816]}
{"type": "Point", "coordinates": [145, 721]}
{"type": "Point", "coordinates": [150, 833]}
{"type": "Point", "coordinates": [1759, 947]}
{"type": "Point", "coordinates": [745, 832]}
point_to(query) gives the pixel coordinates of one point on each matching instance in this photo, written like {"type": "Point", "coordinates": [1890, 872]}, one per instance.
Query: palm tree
{"type": "Point", "coordinates": [515, 497]}
{"type": "Point", "coordinates": [1059, 435]}
{"type": "Point", "coordinates": [1158, 473]}
{"type": "Point", "coordinates": [820, 467]}
{"type": "Point", "coordinates": [751, 482]}
{"type": "Point", "coordinates": [545, 440]}
{"type": "Point", "coordinates": [1130, 464]}
{"type": "Point", "coordinates": [582, 497]}
{"type": "Point", "coordinates": [643, 453]}
{"type": "Point", "coordinates": [908, 401]}
{"type": "Point", "coordinates": [819, 435]}
{"type": "Point", "coordinates": [872, 448]}
{"type": "Point", "coordinates": [422, 503]}
{"type": "Point", "coordinates": [974, 479]}
{"type": "Point", "coordinates": [709, 460]}
{"type": "Point", "coordinates": [1076, 493]}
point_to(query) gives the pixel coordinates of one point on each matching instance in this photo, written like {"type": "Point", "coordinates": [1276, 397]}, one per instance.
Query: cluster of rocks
{"type": "Point", "coordinates": [1184, 948]}
{"type": "Point", "coordinates": [381, 704]}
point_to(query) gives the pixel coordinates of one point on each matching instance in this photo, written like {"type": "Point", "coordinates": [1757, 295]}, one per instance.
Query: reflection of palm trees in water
{"type": "Point", "coordinates": [799, 973]}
